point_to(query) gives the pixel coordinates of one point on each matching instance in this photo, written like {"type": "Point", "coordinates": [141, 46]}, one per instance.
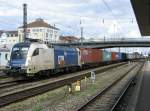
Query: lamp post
{"type": "Point", "coordinates": [81, 28]}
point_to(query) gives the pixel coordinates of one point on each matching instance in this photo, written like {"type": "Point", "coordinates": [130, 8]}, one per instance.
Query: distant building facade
{"type": "Point", "coordinates": [2, 39]}
{"type": "Point", "coordinates": [4, 56]}
{"type": "Point", "coordinates": [9, 37]}
{"type": "Point", "coordinates": [68, 39]}
{"type": "Point", "coordinates": [40, 30]}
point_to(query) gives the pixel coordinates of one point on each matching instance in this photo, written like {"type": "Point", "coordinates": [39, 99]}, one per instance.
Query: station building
{"type": "Point", "coordinates": [4, 57]}
{"type": "Point", "coordinates": [40, 30]}
{"type": "Point", "coordinates": [8, 38]}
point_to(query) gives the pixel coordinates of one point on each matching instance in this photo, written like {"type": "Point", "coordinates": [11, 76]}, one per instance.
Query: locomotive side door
{"type": "Point", "coordinates": [35, 61]}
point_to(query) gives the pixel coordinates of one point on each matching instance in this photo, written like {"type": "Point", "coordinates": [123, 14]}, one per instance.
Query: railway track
{"type": "Point", "coordinates": [123, 92]}
{"type": "Point", "coordinates": [12, 83]}
{"type": "Point", "coordinates": [3, 75]}
{"type": "Point", "coordinates": [32, 89]}
{"type": "Point", "coordinates": [9, 80]}
{"type": "Point", "coordinates": [108, 98]}
{"type": "Point", "coordinates": [4, 79]}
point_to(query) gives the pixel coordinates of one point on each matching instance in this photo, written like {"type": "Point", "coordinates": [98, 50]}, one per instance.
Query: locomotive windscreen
{"type": "Point", "coordinates": [19, 52]}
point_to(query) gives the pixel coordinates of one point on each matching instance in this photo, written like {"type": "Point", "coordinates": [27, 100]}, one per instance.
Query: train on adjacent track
{"type": "Point", "coordinates": [32, 59]}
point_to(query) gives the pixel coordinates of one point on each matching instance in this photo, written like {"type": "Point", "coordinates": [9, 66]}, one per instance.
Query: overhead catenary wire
{"type": "Point", "coordinates": [114, 16]}
{"type": "Point", "coordinates": [87, 18]}
{"type": "Point", "coordinates": [32, 9]}
{"type": "Point", "coordinates": [118, 20]}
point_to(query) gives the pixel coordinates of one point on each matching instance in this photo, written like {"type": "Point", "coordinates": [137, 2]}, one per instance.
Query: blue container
{"type": "Point", "coordinates": [123, 56]}
{"type": "Point", "coordinates": [65, 57]}
{"type": "Point", "coordinates": [119, 55]}
{"type": "Point", "coordinates": [106, 56]}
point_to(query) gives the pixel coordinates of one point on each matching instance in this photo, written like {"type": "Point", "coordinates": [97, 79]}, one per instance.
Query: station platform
{"type": "Point", "coordinates": [143, 97]}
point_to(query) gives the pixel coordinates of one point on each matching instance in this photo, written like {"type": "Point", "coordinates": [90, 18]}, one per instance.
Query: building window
{"type": "Point", "coordinates": [6, 56]}
{"type": "Point", "coordinates": [33, 30]}
{"type": "Point", "coordinates": [55, 32]}
{"type": "Point", "coordinates": [37, 30]}
{"type": "Point", "coordinates": [51, 35]}
{"type": "Point", "coordinates": [21, 31]}
{"type": "Point", "coordinates": [41, 30]}
{"type": "Point", "coordinates": [46, 34]}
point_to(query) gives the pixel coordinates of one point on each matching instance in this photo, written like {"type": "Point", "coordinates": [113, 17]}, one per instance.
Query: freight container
{"type": "Point", "coordinates": [130, 56]}
{"type": "Point", "coordinates": [65, 57]}
{"type": "Point", "coordinates": [134, 55]}
{"type": "Point", "coordinates": [115, 56]}
{"type": "Point", "coordinates": [122, 56]}
{"type": "Point", "coordinates": [89, 56]}
{"type": "Point", "coordinates": [119, 56]}
{"type": "Point", "coordinates": [106, 56]}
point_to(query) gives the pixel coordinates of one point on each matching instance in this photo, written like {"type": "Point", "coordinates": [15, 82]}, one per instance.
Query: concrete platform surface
{"type": "Point", "coordinates": [143, 101]}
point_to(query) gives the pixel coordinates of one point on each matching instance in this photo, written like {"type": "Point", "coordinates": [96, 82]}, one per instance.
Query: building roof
{"type": "Point", "coordinates": [1, 32]}
{"type": "Point", "coordinates": [11, 33]}
{"type": "Point", "coordinates": [141, 9]}
{"type": "Point", "coordinates": [69, 38]}
{"type": "Point", "coordinates": [40, 23]}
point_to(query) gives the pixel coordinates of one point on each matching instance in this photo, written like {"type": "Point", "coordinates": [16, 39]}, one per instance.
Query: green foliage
{"type": "Point", "coordinates": [37, 107]}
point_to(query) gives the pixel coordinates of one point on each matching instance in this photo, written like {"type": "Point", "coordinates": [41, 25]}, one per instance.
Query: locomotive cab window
{"type": "Point", "coordinates": [36, 52]}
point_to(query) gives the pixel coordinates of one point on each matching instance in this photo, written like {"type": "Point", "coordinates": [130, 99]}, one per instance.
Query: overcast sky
{"type": "Point", "coordinates": [110, 18]}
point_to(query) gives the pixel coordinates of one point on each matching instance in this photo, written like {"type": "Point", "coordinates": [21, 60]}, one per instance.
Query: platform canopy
{"type": "Point", "coordinates": [142, 12]}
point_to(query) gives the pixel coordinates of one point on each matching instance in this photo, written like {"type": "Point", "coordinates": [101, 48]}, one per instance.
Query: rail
{"type": "Point", "coordinates": [125, 89]}
{"type": "Point", "coordinates": [11, 97]}
{"type": "Point", "coordinates": [102, 92]}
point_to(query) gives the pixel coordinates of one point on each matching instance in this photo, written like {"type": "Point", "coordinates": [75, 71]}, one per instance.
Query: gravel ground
{"type": "Point", "coordinates": [61, 100]}
{"type": "Point", "coordinates": [30, 84]}
{"type": "Point", "coordinates": [2, 67]}
{"type": "Point", "coordinates": [105, 102]}
{"type": "Point", "coordinates": [2, 73]}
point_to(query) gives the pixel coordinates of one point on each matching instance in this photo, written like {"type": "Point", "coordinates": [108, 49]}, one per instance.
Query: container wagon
{"type": "Point", "coordinates": [91, 56]}
{"type": "Point", "coordinates": [115, 56]}
{"type": "Point", "coordinates": [122, 57]}
{"type": "Point", "coordinates": [66, 57]}
{"type": "Point", "coordinates": [107, 56]}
